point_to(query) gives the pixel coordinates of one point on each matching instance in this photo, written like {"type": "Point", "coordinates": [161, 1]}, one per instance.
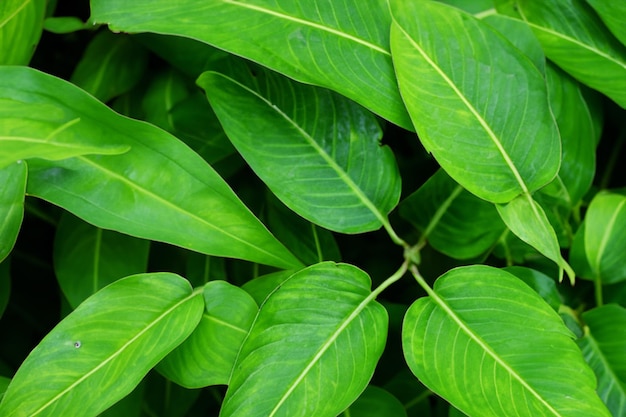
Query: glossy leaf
{"type": "Point", "coordinates": [603, 346]}
{"type": "Point", "coordinates": [540, 282]}
{"type": "Point", "coordinates": [575, 39]}
{"type": "Point", "coordinates": [159, 190]}
{"type": "Point", "coordinates": [375, 402]}
{"type": "Point", "coordinates": [451, 219]}
{"type": "Point", "coordinates": [208, 355]}
{"type": "Point", "coordinates": [21, 24]}
{"type": "Point", "coordinates": [321, 42]}
{"type": "Point", "coordinates": [112, 65]}
{"type": "Point", "coordinates": [87, 258]}
{"type": "Point", "coordinates": [320, 330]}
{"type": "Point", "coordinates": [527, 220]}
{"type": "Point", "coordinates": [64, 24]}
{"type": "Point", "coordinates": [448, 83]}
{"type": "Point", "coordinates": [262, 287]}
{"type": "Point", "coordinates": [468, 342]}
{"type": "Point", "coordinates": [612, 14]}
{"type": "Point", "coordinates": [12, 189]}
{"type": "Point", "coordinates": [106, 345]}
{"type": "Point", "coordinates": [330, 169]}
{"type": "Point", "coordinates": [605, 237]}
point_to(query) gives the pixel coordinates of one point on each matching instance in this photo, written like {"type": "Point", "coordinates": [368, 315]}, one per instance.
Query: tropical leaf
{"type": "Point", "coordinates": [107, 345]}
{"type": "Point", "coordinates": [468, 342]}
{"type": "Point", "coordinates": [330, 169]}
{"type": "Point", "coordinates": [540, 282]}
{"type": "Point", "coordinates": [21, 24]}
{"type": "Point", "coordinates": [478, 134]}
{"type": "Point", "coordinates": [209, 353]}
{"type": "Point", "coordinates": [160, 190]}
{"type": "Point", "coordinates": [574, 38]}
{"type": "Point", "coordinates": [612, 14]}
{"type": "Point", "coordinates": [317, 338]}
{"type": "Point", "coordinates": [12, 190]}
{"type": "Point", "coordinates": [87, 258]}
{"type": "Point", "coordinates": [320, 42]}
{"type": "Point", "coordinates": [261, 287]}
{"type": "Point", "coordinates": [603, 347]}
{"type": "Point", "coordinates": [375, 402]}
{"type": "Point", "coordinates": [452, 220]}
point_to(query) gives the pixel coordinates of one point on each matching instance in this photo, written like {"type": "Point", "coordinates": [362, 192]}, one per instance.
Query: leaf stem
{"type": "Point", "coordinates": [395, 277]}
{"type": "Point", "coordinates": [597, 283]}
{"type": "Point", "coordinates": [393, 235]}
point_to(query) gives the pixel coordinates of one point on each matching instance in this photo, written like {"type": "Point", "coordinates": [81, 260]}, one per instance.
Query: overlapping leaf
{"type": "Point", "coordinates": [603, 346]}
{"type": "Point", "coordinates": [313, 347]}
{"type": "Point", "coordinates": [375, 402]}
{"type": "Point", "coordinates": [468, 342]}
{"type": "Point", "coordinates": [21, 24]}
{"type": "Point", "coordinates": [106, 345]}
{"type": "Point", "coordinates": [159, 190]}
{"type": "Point", "coordinates": [575, 38]}
{"type": "Point", "coordinates": [478, 104]}
{"type": "Point", "coordinates": [208, 355]}
{"type": "Point", "coordinates": [12, 189]}
{"type": "Point", "coordinates": [612, 14]}
{"type": "Point", "coordinates": [335, 44]}
{"type": "Point", "coordinates": [318, 152]}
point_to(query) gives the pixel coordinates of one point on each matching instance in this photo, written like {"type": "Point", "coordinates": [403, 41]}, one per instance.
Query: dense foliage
{"type": "Point", "coordinates": [312, 208]}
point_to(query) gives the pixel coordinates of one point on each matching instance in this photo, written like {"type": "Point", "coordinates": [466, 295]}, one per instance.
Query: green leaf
{"type": "Point", "coordinates": [112, 65]}
{"type": "Point", "coordinates": [573, 37]}
{"type": "Point", "coordinates": [330, 168]}
{"type": "Point", "coordinates": [208, 355]}
{"type": "Point", "coordinates": [540, 282]}
{"type": "Point", "coordinates": [468, 341]}
{"type": "Point", "coordinates": [64, 24]}
{"type": "Point", "coordinates": [165, 398]}
{"type": "Point", "coordinates": [106, 345]}
{"type": "Point", "coordinates": [160, 190]}
{"type": "Point", "coordinates": [527, 220]}
{"type": "Point", "coordinates": [261, 287]}
{"type": "Point", "coordinates": [603, 347]}
{"type": "Point", "coordinates": [322, 43]}
{"type": "Point", "coordinates": [449, 66]}
{"type": "Point", "coordinates": [612, 14]}
{"type": "Point", "coordinates": [452, 220]}
{"type": "Point", "coordinates": [166, 89]}
{"type": "Point", "coordinates": [21, 24]}
{"type": "Point", "coordinates": [87, 258]}
{"type": "Point", "coordinates": [317, 338]}
{"type": "Point", "coordinates": [605, 237]}
{"type": "Point", "coordinates": [200, 269]}
{"type": "Point", "coordinates": [12, 189]}
{"type": "Point", "coordinates": [129, 406]}
{"type": "Point", "coordinates": [375, 402]}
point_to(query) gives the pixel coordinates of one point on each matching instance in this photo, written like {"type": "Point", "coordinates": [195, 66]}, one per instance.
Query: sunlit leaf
{"type": "Point", "coordinates": [468, 341]}
{"type": "Point", "coordinates": [21, 23]}
{"type": "Point", "coordinates": [106, 345]}
{"type": "Point", "coordinates": [330, 168]}
{"type": "Point", "coordinates": [12, 189]}
{"type": "Point", "coordinates": [159, 190]}
{"type": "Point", "coordinates": [87, 258]}
{"type": "Point", "coordinates": [475, 101]}
{"type": "Point", "coordinates": [317, 338]}
{"type": "Point", "coordinates": [209, 353]}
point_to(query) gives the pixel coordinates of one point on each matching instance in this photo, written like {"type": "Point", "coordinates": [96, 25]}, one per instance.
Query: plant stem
{"type": "Point", "coordinates": [597, 283]}
{"type": "Point", "coordinates": [393, 235]}
{"type": "Point", "coordinates": [395, 277]}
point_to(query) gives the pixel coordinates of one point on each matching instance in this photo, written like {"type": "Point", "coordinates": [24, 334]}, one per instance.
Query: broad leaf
{"type": "Point", "coordinates": [106, 345]}
{"type": "Point", "coordinates": [527, 220]}
{"type": "Point", "coordinates": [87, 258]}
{"type": "Point", "coordinates": [375, 402]}
{"type": "Point", "coordinates": [573, 36]}
{"type": "Point", "coordinates": [475, 100]}
{"type": "Point", "coordinates": [451, 219]}
{"type": "Point", "coordinates": [605, 237]}
{"type": "Point", "coordinates": [261, 287]}
{"type": "Point", "coordinates": [540, 282]}
{"type": "Point", "coordinates": [612, 14]}
{"type": "Point", "coordinates": [318, 42]}
{"type": "Point", "coordinates": [317, 338]}
{"type": "Point", "coordinates": [159, 190]}
{"type": "Point", "coordinates": [469, 342]}
{"type": "Point", "coordinates": [603, 346]}
{"type": "Point", "coordinates": [166, 89]}
{"type": "Point", "coordinates": [330, 168]}
{"type": "Point", "coordinates": [12, 189]}
{"type": "Point", "coordinates": [112, 65]}
{"type": "Point", "coordinates": [209, 353]}
{"type": "Point", "coordinates": [21, 24]}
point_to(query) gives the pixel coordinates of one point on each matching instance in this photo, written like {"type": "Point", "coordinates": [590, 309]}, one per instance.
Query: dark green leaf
{"type": "Point", "coordinates": [468, 342]}
{"type": "Point", "coordinates": [208, 355]}
{"type": "Point", "coordinates": [21, 23]}
{"type": "Point", "coordinates": [87, 258]}
{"type": "Point", "coordinates": [330, 168]}
{"type": "Point", "coordinates": [106, 345]}
{"type": "Point", "coordinates": [64, 24]}
{"type": "Point", "coordinates": [449, 66]}
{"type": "Point", "coordinates": [317, 338]}
{"type": "Point", "coordinates": [160, 190]}
{"type": "Point", "coordinates": [603, 346]}
{"type": "Point", "coordinates": [12, 189]}
{"type": "Point", "coordinates": [540, 282]}
{"type": "Point", "coordinates": [201, 269]}
{"type": "Point", "coordinates": [612, 14]}
{"type": "Point", "coordinates": [326, 43]}
{"type": "Point", "coordinates": [375, 402]}
{"type": "Point", "coordinates": [166, 89]}
{"type": "Point", "coordinates": [261, 287]}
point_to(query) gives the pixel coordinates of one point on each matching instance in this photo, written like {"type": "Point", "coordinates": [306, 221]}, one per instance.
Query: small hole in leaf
{"type": "Point", "coordinates": [77, 344]}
